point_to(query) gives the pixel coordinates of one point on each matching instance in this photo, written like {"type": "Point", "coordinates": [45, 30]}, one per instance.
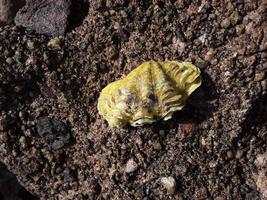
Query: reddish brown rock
{"type": "Point", "coordinates": [46, 16]}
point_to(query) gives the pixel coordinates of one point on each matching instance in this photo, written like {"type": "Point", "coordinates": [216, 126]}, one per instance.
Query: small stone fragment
{"type": "Point", "coordinates": [18, 56]}
{"type": "Point", "coordinates": [46, 57]}
{"type": "Point", "coordinates": [45, 16]}
{"type": "Point", "coordinates": [9, 60]}
{"type": "Point", "coordinates": [169, 183]}
{"type": "Point", "coordinates": [229, 154]}
{"type": "Point", "coordinates": [259, 76]}
{"type": "Point", "coordinates": [225, 23]}
{"type": "Point", "coordinates": [131, 166]}
{"type": "Point", "coordinates": [264, 85]}
{"type": "Point", "coordinates": [201, 63]}
{"type": "Point", "coordinates": [23, 142]}
{"type": "Point", "coordinates": [54, 43]}
{"type": "Point", "coordinates": [235, 18]}
{"type": "Point", "coordinates": [55, 133]}
{"type": "Point", "coordinates": [30, 45]}
{"type": "Point", "coordinates": [202, 38]}
{"type": "Point", "coordinates": [209, 55]}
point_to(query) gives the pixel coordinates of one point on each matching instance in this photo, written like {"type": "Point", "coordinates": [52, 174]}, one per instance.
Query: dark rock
{"type": "Point", "coordinates": [46, 16]}
{"type": "Point", "coordinates": [254, 195]}
{"type": "Point", "coordinates": [10, 187]}
{"type": "Point", "coordinates": [55, 133]}
{"type": "Point", "coordinates": [6, 121]}
{"type": "Point", "coordinates": [8, 10]}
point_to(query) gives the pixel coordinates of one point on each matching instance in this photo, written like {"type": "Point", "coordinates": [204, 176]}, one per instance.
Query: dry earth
{"type": "Point", "coordinates": [209, 148]}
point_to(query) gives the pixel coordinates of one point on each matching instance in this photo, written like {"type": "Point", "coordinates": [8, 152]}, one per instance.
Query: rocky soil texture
{"type": "Point", "coordinates": [53, 139]}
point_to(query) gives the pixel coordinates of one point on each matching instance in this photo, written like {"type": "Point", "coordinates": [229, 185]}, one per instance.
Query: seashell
{"type": "Point", "coordinates": [152, 91]}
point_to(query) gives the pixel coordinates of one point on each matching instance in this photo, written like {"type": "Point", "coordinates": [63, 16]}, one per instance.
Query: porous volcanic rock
{"type": "Point", "coordinates": [55, 133]}
{"type": "Point", "coordinates": [45, 16]}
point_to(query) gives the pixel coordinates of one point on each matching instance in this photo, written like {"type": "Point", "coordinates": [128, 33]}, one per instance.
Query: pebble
{"type": "Point", "coordinates": [23, 142]}
{"type": "Point", "coordinates": [235, 18]}
{"type": "Point", "coordinates": [259, 76]}
{"type": "Point", "coordinates": [225, 23]}
{"type": "Point", "coordinates": [202, 38]}
{"type": "Point", "coordinates": [169, 183]}
{"type": "Point", "coordinates": [21, 114]}
{"type": "Point", "coordinates": [54, 132]}
{"type": "Point", "coordinates": [9, 60]}
{"type": "Point", "coordinates": [201, 63]}
{"type": "Point", "coordinates": [264, 85]}
{"type": "Point", "coordinates": [28, 133]}
{"type": "Point", "coordinates": [30, 45]}
{"type": "Point", "coordinates": [209, 55]}
{"type": "Point", "coordinates": [212, 164]}
{"type": "Point", "coordinates": [18, 55]}
{"type": "Point", "coordinates": [46, 57]}
{"type": "Point", "coordinates": [54, 43]}
{"type": "Point", "coordinates": [131, 166]}
{"type": "Point", "coordinates": [162, 133]}
{"type": "Point", "coordinates": [14, 153]}
{"type": "Point", "coordinates": [229, 154]}
{"type": "Point", "coordinates": [214, 61]}
{"type": "Point", "coordinates": [157, 146]}
{"type": "Point", "coordinates": [239, 154]}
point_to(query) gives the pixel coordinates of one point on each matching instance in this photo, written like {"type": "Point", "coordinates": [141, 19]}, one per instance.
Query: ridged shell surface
{"type": "Point", "coordinates": [152, 91]}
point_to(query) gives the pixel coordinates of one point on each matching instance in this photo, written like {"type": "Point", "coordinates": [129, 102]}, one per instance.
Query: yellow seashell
{"type": "Point", "coordinates": [152, 91]}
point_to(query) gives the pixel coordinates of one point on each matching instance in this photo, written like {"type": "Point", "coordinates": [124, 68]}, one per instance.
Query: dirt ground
{"type": "Point", "coordinates": [209, 148]}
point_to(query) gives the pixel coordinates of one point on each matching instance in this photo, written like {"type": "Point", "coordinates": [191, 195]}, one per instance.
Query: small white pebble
{"type": "Point", "coordinates": [169, 183]}
{"type": "Point", "coordinates": [9, 60]}
{"type": "Point", "coordinates": [202, 38]}
{"type": "Point", "coordinates": [181, 46]}
{"type": "Point", "coordinates": [131, 166]}
{"type": "Point", "coordinates": [227, 73]}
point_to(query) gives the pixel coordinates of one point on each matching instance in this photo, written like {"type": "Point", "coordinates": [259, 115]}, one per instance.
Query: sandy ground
{"type": "Point", "coordinates": [209, 148]}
